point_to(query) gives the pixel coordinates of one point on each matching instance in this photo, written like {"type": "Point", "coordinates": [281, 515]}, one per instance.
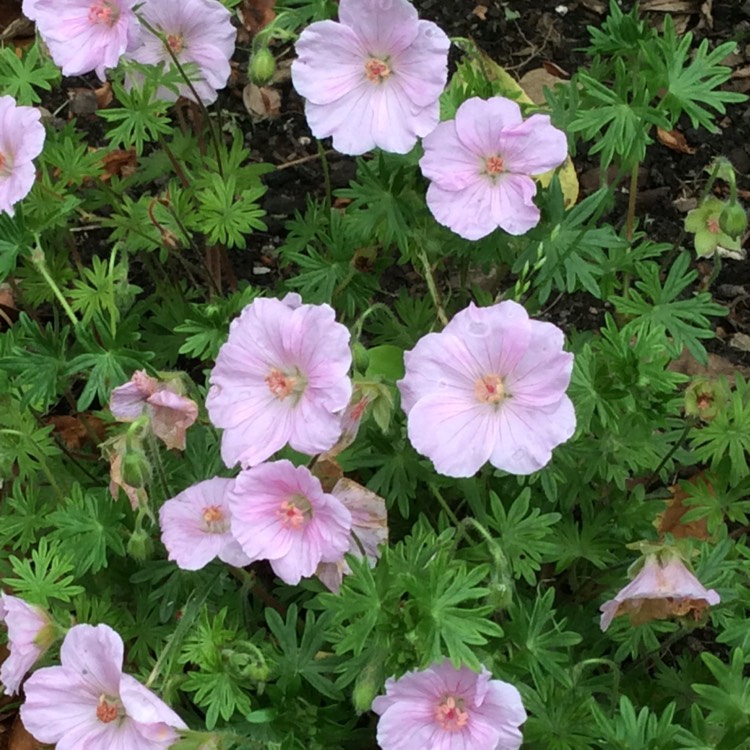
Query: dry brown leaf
{"type": "Point", "coordinates": [535, 81]}
{"type": "Point", "coordinates": [104, 95]}
{"type": "Point", "coordinates": [555, 70]}
{"type": "Point", "coordinates": [717, 366]}
{"type": "Point", "coordinates": [597, 6]}
{"type": "Point", "coordinates": [740, 341]}
{"type": "Point", "coordinates": [329, 471]}
{"type": "Point", "coordinates": [74, 432]}
{"type": "Point", "coordinates": [706, 9]}
{"type": "Point", "coordinates": [20, 739]}
{"type": "Point", "coordinates": [670, 521]}
{"type": "Point", "coordinates": [675, 140]}
{"type": "Point", "coordinates": [262, 102]}
{"type": "Point", "coordinates": [119, 163]}
{"type": "Point", "coordinates": [480, 12]}
{"type": "Point", "coordinates": [671, 6]}
{"type": "Point", "coordinates": [257, 14]}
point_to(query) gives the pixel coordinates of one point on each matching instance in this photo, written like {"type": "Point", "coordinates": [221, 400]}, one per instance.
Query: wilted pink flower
{"type": "Point", "coordinates": [663, 588]}
{"type": "Point", "coordinates": [86, 35]}
{"type": "Point", "coordinates": [375, 78]}
{"type": "Point", "coordinates": [195, 526]}
{"type": "Point", "coordinates": [170, 414]}
{"type": "Point", "coordinates": [480, 164]}
{"type": "Point", "coordinates": [196, 31]}
{"type": "Point", "coordinates": [369, 529]}
{"type": "Point", "coordinates": [89, 703]}
{"type": "Point", "coordinates": [30, 633]}
{"type": "Point", "coordinates": [281, 514]}
{"type": "Point", "coordinates": [280, 378]}
{"type": "Point", "coordinates": [489, 387]}
{"type": "Point", "coordinates": [450, 709]}
{"type": "Point", "coordinates": [21, 141]}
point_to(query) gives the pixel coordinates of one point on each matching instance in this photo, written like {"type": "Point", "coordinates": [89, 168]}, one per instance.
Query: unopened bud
{"type": "Point", "coordinates": [140, 545]}
{"type": "Point", "coordinates": [262, 67]}
{"type": "Point", "coordinates": [361, 357]}
{"type": "Point", "coordinates": [705, 398]}
{"type": "Point", "coordinates": [247, 661]}
{"type": "Point", "coordinates": [136, 469]}
{"type": "Point", "coordinates": [369, 683]}
{"type": "Point", "coordinates": [733, 220]}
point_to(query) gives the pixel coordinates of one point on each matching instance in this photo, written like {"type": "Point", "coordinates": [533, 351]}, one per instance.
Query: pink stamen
{"type": "Point", "coordinates": [104, 12]}
{"type": "Point", "coordinates": [175, 42]}
{"type": "Point", "coordinates": [377, 70]}
{"type": "Point", "coordinates": [450, 714]}
{"type": "Point", "coordinates": [295, 512]}
{"type": "Point", "coordinates": [107, 711]}
{"type": "Point", "coordinates": [214, 520]}
{"type": "Point", "coordinates": [713, 226]}
{"type": "Point", "coordinates": [279, 384]}
{"type": "Point", "coordinates": [493, 165]}
{"type": "Point", "coordinates": [490, 389]}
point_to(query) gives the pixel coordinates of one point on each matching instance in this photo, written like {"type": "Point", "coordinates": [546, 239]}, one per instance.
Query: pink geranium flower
{"type": "Point", "coordinates": [195, 526]}
{"type": "Point", "coordinates": [489, 387]}
{"type": "Point", "coordinates": [88, 702]}
{"type": "Point", "coordinates": [21, 141]}
{"type": "Point", "coordinates": [282, 377]}
{"type": "Point", "coordinates": [30, 633]}
{"type": "Point", "coordinates": [663, 588]}
{"type": "Point", "coordinates": [170, 414]}
{"type": "Point", "coordinates": [480, 166]}
{"type": "Point", "coordinates": [86, 35]}
{"type": "Point", "coordinates": [196, 31]}
{"type": "Point", "coordinates": [281, 514]}
{"type": "Point", "coordinates": [375, 78]}
{"type": "Point", "coordinates": [29, 9]}
{"type": "Point", "coordinates": [450, 709]}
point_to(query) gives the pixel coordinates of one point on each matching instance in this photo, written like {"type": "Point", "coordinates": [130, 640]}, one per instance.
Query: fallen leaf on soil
{"type": "Point", "coordinates": [706, 9]}
{"type": "Point", "coordinates": [104, 95]}
{"type": "Point", "coordinates": [598, 6]}
{"type": "Point", "coordinates": [73, 432]}
{"type": "Point", "coordinates": [20, 739]}
{"type": "Point", "coordinates": [257, 14]}
{"type": "Point", "coordinates": [675, 140]}
{"type": "Point", "coordinates": [670, 521]}
{"type": "Point", "coordinates": [717, 366]}
{"type": "Point", "coordinates": [262, 102]}
{"type": "Point", "coordinates": [555, 70]}
{"type": "Point", "coordinates": [740, 341]}
{"type": "Point", "coordinates": [480, 12]}
{"type": "Point", "coordinates": [671, 6]}
{"type": "Point", "coordinates": [119, 163]}
{"type": "Point", "coordinates": [535, 81]}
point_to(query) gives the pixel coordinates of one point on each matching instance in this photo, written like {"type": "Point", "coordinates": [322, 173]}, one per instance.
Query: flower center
{"type": "Point", "coordinates": [490, 389]}
{"type": "Point", "coordinates": [713, 226]}
{"type": "Point", "coordinates": [282, 384]}
{"type": "Point", "coordinates": [377, 70]}
{"type": "Point", "coordinates": [295, 512]}
{"type": "Point", "coordinates": [108, 709]}
{"type": "Point", "coordinates": [450, 714]}
{"type": "Point", "coordinates": [175, 42]}
{"type": "Point", "coordinates": [493, 165]}
{"type": "Point", "coordinates": [214, 521]}
{"type": "Point", "coordinates": [4, 165]}
{"type": "Point", "coordinates": [105, 12]}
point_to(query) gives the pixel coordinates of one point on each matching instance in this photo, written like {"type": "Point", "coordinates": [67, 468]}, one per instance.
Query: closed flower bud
{"type": "Point", "coordinates": [247, 661]}
{"type": "Point", "coordinates": [705, 398]}
{"type": "Point", "coordinates": [361, 357]}
{"type": "Point", "coordinates": [262, 67]}
{"type": "Point", "coordinates": [136, 469]}
{"type": "Point", "coordinates": [140, 545]}
{"type": "Point", "coordinates": [369, 683]}
{"type": "Point", "coordinates": [733, 220]}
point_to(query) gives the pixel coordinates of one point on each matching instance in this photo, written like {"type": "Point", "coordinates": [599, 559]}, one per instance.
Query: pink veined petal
{"type": "Point", "coordinates": [467, 211]}
{"type": "Point", "coordinates": [315, 429]}
{"type": "Point", "coordinates": [22, 132]}
{"type": "Point", "coordinates": [332, 525]}
{"type": "Point", "coordinates": [480, 123]}
{"type": "Point", "coordinates": [512, 200]}
{"type": "Point", "coordinates": [94, 654]}
{"type": "Point", "coordinates": [455, 434]}
{"type": "Point", "coordinates": [17, 186]}
{"type": "Point", "coordinates": [171, 415]}
{"type": "Point", "coordinates": [126, 402]}
{"type": "Point", "coordinates": [527, 435]}
{"type": "Point", "coordinates": [385, 27]}
{"type": "Point", "coordinates": [542, 375]}
{"type": "Point", "coordinates": [233, 554]}
{"type": "Point", "coordinates": [446, 161]}
{"type": "Point", "coordinates": [407, 726]}
{"type": "Point", "coordinates": [609, 612]}
{"type": "Point", "coordinates": [144, 706]}
{"type": "Point", "coordinates": [330, 63]}
{"type": "Point", "coordinates": [159, 736]}
{"type": "Point", "coordinates": [393, 118]}
{"type": "Point", "coordinates": [502, 706]}
{"type": "Point", "coordinates": [533, 147]}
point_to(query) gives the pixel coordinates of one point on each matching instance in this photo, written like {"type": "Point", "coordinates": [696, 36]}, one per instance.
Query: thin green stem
{"type": "Point", "coordinates": [160, 472]}
{"type": "Point", "coordinates": [432, 287]}
{"type": "Point", "coordinates": [680, 441]}
{"type": "Point", "coordinates": [444, 505]}
{"type": "Point", "coordinates": [38, 259]}
{"type": "Point", "coordinates": [357, 330]}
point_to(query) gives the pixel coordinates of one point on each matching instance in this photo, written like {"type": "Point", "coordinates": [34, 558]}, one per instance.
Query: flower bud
{"type": "Point", "coordinates": [136, 469]}
{"type": "Point", "coordinates": [733, 220]}
{"type": "Point", "coordinates": [368, 684]}
{"type": "Point", "coordinates": [361, 357]}
{"type": "Point", "coordinates": [705, 398]}
{"type": "Point", "coordinates": [247, 661]}
{"type": "Point", "coordinates": [262, 67]}
{"type": "Point", "coordinates": [140, 545]}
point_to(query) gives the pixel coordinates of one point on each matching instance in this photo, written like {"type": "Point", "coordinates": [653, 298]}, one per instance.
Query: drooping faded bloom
{"type": "Point", "coordinates": [281, 377]}
{"type": "Point", "coordinates": [281, 514]}
{"type": "Point", "coordinates": [489, 387]}
{"type": "Point", "coordinates": [196, 526]}
{"type": "Point", "coordinates": [374, 78]}
{"type": "Point", "coordinates": [170, 413]}
{"type": "Point", "coordinates": [86, 35]}
{"type": "Point", "coordinates": [88, 702]}
{"type": "Point", "coordinates": [663, 588]}
{"type": "Point", "coordinates": [21, 141]}
{"type": "Point", "coordinates": [196, 31]}
{"type": "Point", "coordinates": [451, 709]}
{"type": "Point", "coordinates": [369, 530]}
{"type": "Point", "coordinates": [30, 633]}
{"type": "Point", "coordinates": [480, 165]}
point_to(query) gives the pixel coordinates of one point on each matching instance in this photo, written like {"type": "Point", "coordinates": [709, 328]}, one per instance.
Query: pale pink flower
{"type": "Point", "coordinates": [170, 413]}
{"type": "Point", "coordinates": [28, 8]}
{"type": "Point", "coordinates": [449, 709]}
{"type": "Point", "coordinates": [21, 141]}
{"type": "Point", "coordinates": [88, 702]}
{"type": "Point", "coordinates": [196, 526]}
{"type": "Point", "coordinates": [480, 165]}
{"type": "Point", "coordinates": [369, 530]}
{"type": "Point", "coordinates": [373, 79]}
{"type": "Point", "coordinates": [30, 633]}
{"type": "Point", "coordinates": [281, 514]}
{"type": "Point", "coordinates": [281, 377]}
{"type": "Point", "coordinates": [489, 387]}
{"type": "Point", "coordinates": [86, 35]}
{"type": "Point", "coordinates": [663, 588]}
{"type": "Point", "coordinates": [196, 31]}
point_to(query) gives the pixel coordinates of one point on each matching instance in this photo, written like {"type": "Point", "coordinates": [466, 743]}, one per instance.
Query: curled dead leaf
{"type": "Point", "coordinates": [670, 521]}
{"type": "Point", "coordinates": [119, 163]}
{"type": "Point", "coordinates": [262, 102]}
{"type": "Point", "coordinates": [256, 14]}
{"type": "Point", "coordinates": [674, 140]}
{"type": "Point", "coordinates": [480, 12]}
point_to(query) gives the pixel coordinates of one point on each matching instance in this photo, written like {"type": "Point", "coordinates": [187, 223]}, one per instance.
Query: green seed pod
{"type": "Point", "coordinates": [136, 469]}
{"type": "Point", "coordinates": [733, 220]}
{"type": "Point", "coordinates": [262, 67]}
{"type": "Point", "coordinates": [140, 546]}
{"type": "Point", "coordinates": [361, 357]}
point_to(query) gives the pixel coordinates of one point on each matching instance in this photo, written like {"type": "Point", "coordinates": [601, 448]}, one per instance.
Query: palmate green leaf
{"type": "Point", "coordinates": [20, 76]}
{"type": "Point", "coordinates": [71, 158]}
{"type": "Point", "coordinates": [644, 730]}
{"type": "Point", "coordinates": [23, 516]}
{"type": "Point", "coordinates": [220, 693]}
{"type": "Point", "coordinates": [653, 304]}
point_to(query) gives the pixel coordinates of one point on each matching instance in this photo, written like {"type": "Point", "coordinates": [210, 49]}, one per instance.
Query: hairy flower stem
{"type": "Point", "coordinates": [153, 449]}
{"type": "Point", "coordinates": [38, 259]}
{"type": "Point", "coordinates": [430, 278]}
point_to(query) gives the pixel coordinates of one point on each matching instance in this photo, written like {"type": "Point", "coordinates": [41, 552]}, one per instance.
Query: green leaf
{"type": "Point", "coordinates": [20, 76]}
